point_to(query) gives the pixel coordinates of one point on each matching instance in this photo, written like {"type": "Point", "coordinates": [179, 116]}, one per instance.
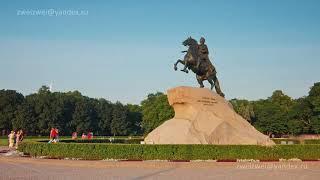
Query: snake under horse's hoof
{"type": "Point", "coordinates": [185, 70]}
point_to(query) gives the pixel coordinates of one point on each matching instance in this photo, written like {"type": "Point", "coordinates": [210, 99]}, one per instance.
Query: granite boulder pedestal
{"type": "Point", "coordinates": [204, 117]}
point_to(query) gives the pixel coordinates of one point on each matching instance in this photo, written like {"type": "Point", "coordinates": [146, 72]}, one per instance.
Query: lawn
{"type": "Point", "coordinates": [4, 139]}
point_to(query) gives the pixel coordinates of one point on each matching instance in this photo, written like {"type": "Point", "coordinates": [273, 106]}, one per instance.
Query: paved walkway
{"type": "Point", "coordinates": [15, 167]}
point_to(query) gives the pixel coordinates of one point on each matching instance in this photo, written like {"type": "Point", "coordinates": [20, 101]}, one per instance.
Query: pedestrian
{"type": "Point", "coordinates": [21, 135]}
{"type": "Point", "coordinates": [74, 135]}
{"type": "Point", "coordinates": [57, 134]}
{"type": "Point", "coordinates": [53, 135]}
{"type": "Point", "coordinates": [90, 135]}
{"type": "Point", "coordinates": [18, 134]}
{"type": "Point", "coordinates": [11, 139]}
{"type": "Point", "coordinates": [83, 136]}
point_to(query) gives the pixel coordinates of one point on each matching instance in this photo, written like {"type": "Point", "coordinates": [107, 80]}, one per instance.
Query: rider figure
{"type": "Point", "coordinates": [203, 52]}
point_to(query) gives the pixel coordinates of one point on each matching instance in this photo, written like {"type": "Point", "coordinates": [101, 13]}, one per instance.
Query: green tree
{"type": "Point", "coordinates": [44, 104]}
{"type": "Point", "coordinates": [314, 99]}
{"type": "Point", "coordinates": [282, 100]}
{"type": "Point", "coordinates": [295, 127]}
{"type": "Point", "coordinates": [315, 124]}
{"type": "Point", "coordinates": [9, 102]}
{"type": "Point", "coordinates": [271, 115]}
{"type": "Point", "coordinates": [269, 118]}
{"type": "Point", "coordinates": [300, 116]}
{"type": "Point", "coordinates": [104, 114]}
{"type": "Point", "coordinates": [135, 119]}
{"type": "Point", "coordinates": [25, 118]}
{"type": "Point", "coordinates": [44, 90]}
{"type": "Point", "coordinates": [120, 123]}
{"type": "Point", "coordinates": [84, 116]}
{"type": "Point", "coordinates": [155, 110]}
{"type": "Point", "coordinates": [244, 108]}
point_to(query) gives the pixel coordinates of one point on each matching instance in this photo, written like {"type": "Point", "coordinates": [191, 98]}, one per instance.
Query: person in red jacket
{"type": "Point", "coordinates": [53, 135]}
{"type": "Point", "coordinates": [90, 134]}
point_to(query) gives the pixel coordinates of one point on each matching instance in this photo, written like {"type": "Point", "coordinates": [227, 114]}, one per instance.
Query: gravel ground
{"type": "Point", "coordinates": [14, 167]}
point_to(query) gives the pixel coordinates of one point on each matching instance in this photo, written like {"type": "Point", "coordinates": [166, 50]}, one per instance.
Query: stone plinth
{"type": "Point", "coordinates": [204, 117]}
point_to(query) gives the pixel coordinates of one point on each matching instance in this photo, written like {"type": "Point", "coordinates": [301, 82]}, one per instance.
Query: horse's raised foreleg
{"type": "Point", "coordinates": [185, 67]}
{"type": "Point", "coordinates": [175, 64]}
{"type": "Point", "coordinates": [182, 62]}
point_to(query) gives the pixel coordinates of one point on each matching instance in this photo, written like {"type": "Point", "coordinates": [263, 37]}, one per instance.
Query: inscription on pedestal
{"type": "Point", "coordinates": [207, 101]}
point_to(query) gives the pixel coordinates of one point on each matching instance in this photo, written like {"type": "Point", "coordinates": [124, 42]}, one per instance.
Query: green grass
{"type": "Point", "coordinates": [3, 142]}
{"type": "Point", "coordinates": [4, 139]}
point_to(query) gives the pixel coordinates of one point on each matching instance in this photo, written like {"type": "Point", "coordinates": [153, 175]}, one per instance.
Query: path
{"type": "Point", "coordinates": [14, 167]}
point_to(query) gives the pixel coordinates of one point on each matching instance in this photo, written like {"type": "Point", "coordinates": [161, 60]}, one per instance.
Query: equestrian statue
{"type": "Point", "coordinates": [197, 60]}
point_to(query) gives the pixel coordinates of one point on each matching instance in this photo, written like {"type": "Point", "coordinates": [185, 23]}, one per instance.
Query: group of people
{"type": "Point", "coordinates": [54, 135]}
{"type": "Point", "coordinates": [15, 138]}
{"type": "Point", "coordinates": [89, 135]}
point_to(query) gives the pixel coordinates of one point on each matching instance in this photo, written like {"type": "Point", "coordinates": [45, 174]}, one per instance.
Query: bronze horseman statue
{"type": "Point", "coordinates": [197, 59]}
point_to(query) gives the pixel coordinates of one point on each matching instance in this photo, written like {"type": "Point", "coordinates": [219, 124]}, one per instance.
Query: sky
{"type": "Point", "coordinates": [122, 50]}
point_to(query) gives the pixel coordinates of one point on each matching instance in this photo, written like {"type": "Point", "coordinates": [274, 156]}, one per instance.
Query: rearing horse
{"type": "Point", "coordinates": [206, 70]}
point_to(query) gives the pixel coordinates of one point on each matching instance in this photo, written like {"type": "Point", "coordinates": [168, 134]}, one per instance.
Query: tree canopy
{"type": "Point", "coordinates": [155, 110]}
{"type": "Point", "coordinates": [37, 113]}
{"type": "Point", "coordinates": [71, 111]}
{"type": "Point", "coordinates": [279, 114]}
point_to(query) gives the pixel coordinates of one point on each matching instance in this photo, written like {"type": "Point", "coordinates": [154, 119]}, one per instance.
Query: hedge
{"type": "Point", "coordinates": [296, 141]}
{"type": "Point", "coordinates": [95, 151]}
{"type": "Point", "coordinates": [123, 141]}
{"type": "Point", "coordinates": [279, 140]}
{"type": "Point", "coordinates": [312, 141]}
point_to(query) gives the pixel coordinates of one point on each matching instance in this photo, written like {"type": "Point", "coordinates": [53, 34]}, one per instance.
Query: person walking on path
{"type": "Point", "coordinates": [74, 135]}
{"type": "Point", "coordinates": [18, 138]}
{"type": "Point", "coordinates": [21, 135]}
{"type": "Point", "coordinates": [90, 135]}
{"type": "Point", "coordinates": [11, 139]}
{"type": "Point", "coordinates": [84, 136]}
{"type": "Point", "coordinates": [57, 134]}
{"type": "Point", "coordinates": [53, 135]}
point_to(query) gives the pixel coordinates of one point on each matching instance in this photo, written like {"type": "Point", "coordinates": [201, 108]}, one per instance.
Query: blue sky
{"type": "Point", "coordinates": [123, 50]}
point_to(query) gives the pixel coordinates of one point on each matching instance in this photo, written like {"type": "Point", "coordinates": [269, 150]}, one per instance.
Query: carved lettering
{"type": "Point", "coordinates": [206, 101]}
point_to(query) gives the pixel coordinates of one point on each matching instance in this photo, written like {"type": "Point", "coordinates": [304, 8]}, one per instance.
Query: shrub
{"type": "Point", "coordinates": [278, 140]}
{"type": "Point", "coordinates": [122, 141]}
{"type": "Point", "coordinates": [312, 141]}
{"type": "Point", "coordinates": [94, 151]}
